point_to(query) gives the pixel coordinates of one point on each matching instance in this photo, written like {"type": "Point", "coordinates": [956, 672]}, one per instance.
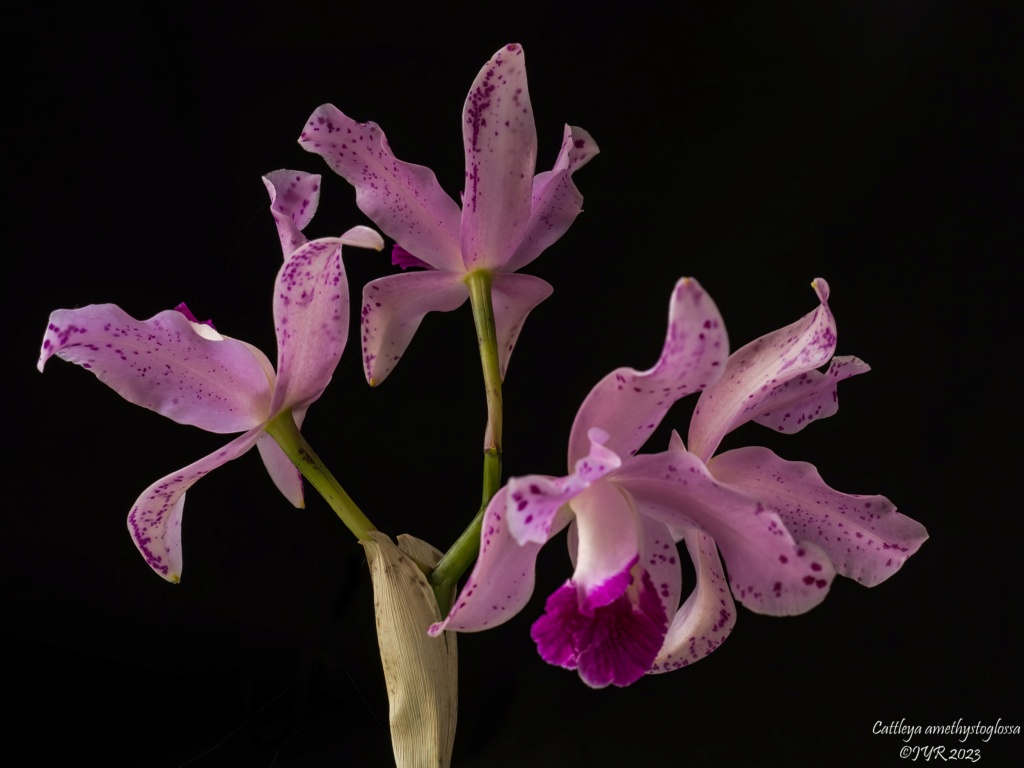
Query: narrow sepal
{"type": "Point", "coordinates": [513, 297]}
{"type": "Point", "coordinates": [403, 199]}
{"type": "Point", "coordinates": [709, 613]}
{"type": "Point", "coordinates": [501, 155]}
{"type": "Point", "coordinates": [155, 520]}
{"type": "Point", "coordinates": [393, 308]}
{"type": "Point", "coordinates": [168, 364]}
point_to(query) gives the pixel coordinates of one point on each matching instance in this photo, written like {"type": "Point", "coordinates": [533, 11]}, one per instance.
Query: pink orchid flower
{"type": "Point", "coordinates": [783, 533]}
{"type": "Point", "coordinates": [186, 371]}
{"type": "Point", "coordinates": [508, 216]}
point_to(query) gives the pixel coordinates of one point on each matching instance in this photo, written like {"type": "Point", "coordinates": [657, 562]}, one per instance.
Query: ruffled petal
{"type": "Point", "coordinates": [865, 537]}
{"type": "Point", "coordinates": [534, 500]}
{"type": "Point", "coordinates": [503, 577]}
{"type": "Point", "coordinates": [501, 155]}
{"type": "Point", "coordinates": [294, 197]}
{"type": "Point", "coordinates": [794, 404]}
{"type": "Point", "coordinates": [403, 199]}
{"type": "Point", "coordinates": [513, 297]}
{"type": "Point", "coordinates": [393, 308]}
{"type": "Point", "coordinates": [708, 615]}
{"type": "Point", "coordinates": [187, 372]}
{"type": "Point", "coordinates": [556, 201]}
{"type": "Point", "coordinates": [756, 369]}
{"type": "Point", "coordinates": [155, 519]}
{"type": "Point", "coordinates": [769, 571]}
{"type": "Point", "coordinates": [282, 471]}
{"type": "Point", "coordinates": [629, 404]}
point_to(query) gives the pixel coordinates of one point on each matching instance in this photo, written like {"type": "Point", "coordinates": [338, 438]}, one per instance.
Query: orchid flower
{"type": "Point", "coordinates": [508, 216]}
{"type": "Point", "coordinates": [782, 532]}
{"type": "Point", "coordinates": [190, 373]}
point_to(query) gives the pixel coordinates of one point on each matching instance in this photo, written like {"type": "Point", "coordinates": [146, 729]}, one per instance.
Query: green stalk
{"type": "Point", "coordinates": [463, 552]}
{"type": "Point", "coordinates": [282, 428]}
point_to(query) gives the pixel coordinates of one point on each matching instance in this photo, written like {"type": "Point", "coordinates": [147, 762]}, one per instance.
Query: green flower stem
{"type": "Point", "coordinates": [282, 428]}
{"type": "Point", "coordinates": [463, 552]}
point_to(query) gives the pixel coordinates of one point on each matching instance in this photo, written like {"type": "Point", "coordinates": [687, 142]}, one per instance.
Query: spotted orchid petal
{"type": "Point", "coordinates": [501, 155]}
{"type": "Point", "coordinates": [629, 404]}
{"type": "Point", "coordinates": [756, 369]}
{"type": "Point", "coordinates": [155, 519]}
{"type": "Point", "coordinates": [556, 201]}
{"type": "Point", "coordinates": [708, 615]}
{"type": "Point", "coordinates": [503, 577]}
{"type": "Point", "coordinates": [769, 571]}
{"type": "Point", "coordinates": [794, 404]}
{"type": "Point", "coordinates": [535, 500]}
{"type": "Point", "coordinates": [513, 297]}
{"type": "Point", "coordinates": [403, 199]}
{"type": "Point", "coordinates": [394, 307]}
{"type": "Point", "coordinates": [168, 364]}
{"type": "Point", "coordinates": [294, 197]}
{"type": "Point", "coordinates": [311, 317]}
{"type": "Point", "coordinates": [864, 536]}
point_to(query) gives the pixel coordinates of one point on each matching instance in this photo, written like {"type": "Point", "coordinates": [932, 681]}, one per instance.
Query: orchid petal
{"type": "Point", "coordinates": [393, 308]}
{"type": "Point", "coordinates": [311, 316]}
{"type": "Point", "coordinates": [865, 537]}
{"type": "Point", "coordinates": [282, 471]}
{"type": "Point", "coordinates": [708, 615]}
{"type": "Point", "coordinates": [501, 156]}
{"type": "Point", "coordinates": [503, 577]}
{"type": "Point", "coordinates": [294, 197]}
{"type": "Point", "coordinates": [756, 369]}
{"type": "Point", "coordinates": [629, 404]}
{"type": "Point", "coordinates": [403, 199]}
{"type": "Point", "coordinates": [769, 571]}
{"type": "Point", "coordinates": [534, 500]}
{"type": "Point", "coordinates": [165, 364]}
{"type": "Point", "coordinates": [794, 404]}
{"type": "Point", "coordinates": [155, 519]}
{"type": "Point", "coordinates": [311, 321]}
{"type": "Point", "coordinates": [556, 201]}
{"type": "Point", "coordinates": [513, 297]}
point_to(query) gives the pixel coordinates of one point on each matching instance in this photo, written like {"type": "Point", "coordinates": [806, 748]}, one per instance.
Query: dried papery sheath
{"type": "Point", "coordinates": [421, 671]}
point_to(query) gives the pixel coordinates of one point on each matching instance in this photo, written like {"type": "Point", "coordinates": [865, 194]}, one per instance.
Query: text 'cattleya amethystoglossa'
{"type": "Point", "coordinates": [782, 532]}
{"type": "Point", "coordinates": [508, 215]}
{"type": "Point", "coordinates": [188, 372]}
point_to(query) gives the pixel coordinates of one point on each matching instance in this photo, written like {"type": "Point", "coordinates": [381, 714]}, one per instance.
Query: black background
{"type": "Point", "coordinates": [754, 147]}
